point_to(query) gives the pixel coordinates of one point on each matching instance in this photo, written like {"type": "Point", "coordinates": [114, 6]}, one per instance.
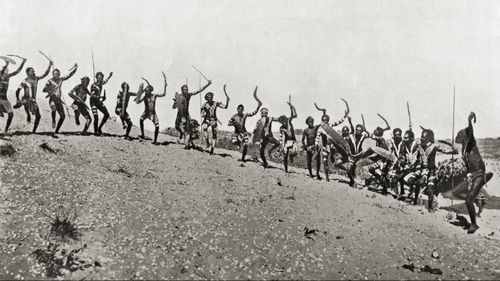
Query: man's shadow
{"type": "Point", "coordinates": [461, 221]}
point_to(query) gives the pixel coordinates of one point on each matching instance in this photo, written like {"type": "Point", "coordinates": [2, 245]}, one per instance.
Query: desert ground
{"type": "Point", "coordinates": [87, 207]}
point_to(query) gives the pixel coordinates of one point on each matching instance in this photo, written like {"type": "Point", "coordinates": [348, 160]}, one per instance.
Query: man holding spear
{"type": "Point", "coordinates": [96, 101]}
{"type": "Point", "coordinates": [5, 106]}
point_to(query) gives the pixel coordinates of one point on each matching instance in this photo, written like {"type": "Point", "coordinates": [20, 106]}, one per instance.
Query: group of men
{"type": "Point", "coordinates": [397, 162]}
{"type": "Point", "coordinates": [400, 161]}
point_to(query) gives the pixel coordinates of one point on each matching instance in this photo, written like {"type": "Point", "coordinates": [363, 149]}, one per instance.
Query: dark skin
{"type": "Point", "coordinates": [150, 103]}
{"type": "Point", "coordinates": [125, 89]}
{"type": "Point", "coordinates": [30, 86]}
{"type": "Point", "coordinates": [308, 142]}
{"type": "Point", "coordinates": [289, 125]}
{"type": "Point", "coordinates": [239, 120]}
{"type": "Point", "coordinates": [267, 139]}
{"type": "Point", "coordinates": [4, 85]}
{"type": "Point", "coordinates": [57, 80]}
{"type": "Point", "coordinates": [82, 89]}
{"type": "Point", "coordinates": [475, 166]}
{"type": "Point", "coordinates": [429, 161]}
{"type": "Point", "coordinates": [96, 89]}
{"type": "Point", "coordinates": [182, 106]}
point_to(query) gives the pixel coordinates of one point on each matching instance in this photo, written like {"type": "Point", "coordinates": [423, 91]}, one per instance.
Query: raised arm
{"type": "Point", "coordinates": [46, 71]}
{"type": "Point", "coordinates": [446, 151]}
{"type": "Point", "coordinates": [107, 79]}
{"type": "Point", "coordinates": [18, 69]}
{"type": "Point", "coordinates": [470, 128]}
{"type": "Point", "coordinates": [209, 82]}
{"type": "Point", "coordinates": [72, 95]}
{"type": "Point", "coordinates": [72, 72]}
{"type": "Point", "coordinates": [4, 68]}
{"type": "Point", "coordinates": [259, 103]}
{"type": "Point", "coordinates": [350, 124]}
{"type": "Point", "coordinates": [293, 113]}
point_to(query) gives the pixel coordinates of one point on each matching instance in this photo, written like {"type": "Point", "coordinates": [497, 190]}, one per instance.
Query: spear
{"type": "Point", "coordinates": [93, 65]}
{"type": "Point", "coordinates": [363, 120]}
{"type": "Point", "coordinates": [409, 114]}
{"type": "Point", "coordinates": [453, 145]}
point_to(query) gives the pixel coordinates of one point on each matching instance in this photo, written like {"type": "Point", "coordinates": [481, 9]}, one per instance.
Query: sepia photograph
{"type": "Point", "coordinates": [252, 139]}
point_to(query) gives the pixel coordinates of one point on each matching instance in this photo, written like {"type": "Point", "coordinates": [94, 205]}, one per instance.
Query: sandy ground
{"type": "Point", "coordinates": [155, 212]}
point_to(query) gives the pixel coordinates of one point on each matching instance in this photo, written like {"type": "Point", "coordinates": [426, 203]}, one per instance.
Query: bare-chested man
{"type": "Point", "coordinates": [122, 101]}
{"type": "Point", "coordinates": [241, 136]}
{"type": "Point", "coordinates": [182, 121]}
{"type": "Point", "coordinates": [5, 105]}
{"type": "Point", "coordinates": [79, 95]}
{"type": "Point", "coordinates": [263, 134]}
{"type": "Point", "coordinates": [29, 85]}
{"type": "Point", "coordinates": [309, 145]}
{"type": "Point", "coordinates": [96, 101]}
{"type": "Point", "coordinates": [209, 115]}
{"type": "Point", "coordinates": [475, 168]}
{"type": "Point", "coordinates": [150, 107]}
{"type": "Point", "coordinates": [288, 140]}
{"type": "Point", "coordinates": [53, 89]}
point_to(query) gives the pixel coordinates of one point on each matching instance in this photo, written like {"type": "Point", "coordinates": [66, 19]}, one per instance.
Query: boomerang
{"type": "Point", "coordinates": [382, 117]}
{"type": "Point", "coordinates": [200, 73]}
{"type": "Point", "coordinates": [320, 109]}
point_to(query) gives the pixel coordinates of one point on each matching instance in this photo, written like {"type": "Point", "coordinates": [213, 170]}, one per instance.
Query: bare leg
{"type": "Point", "coordinates": [28, 115]}
{"type": "Point", "coordinates": [263, 145]}
{"type": "Point", "coordinates": [37, 121]}
{"type": "Point", "coordinates": [104, 118]}
{"type": "Point", "coordinates": [77, 117]}
{"type": "Point", "coordinates": [476, 185]}
{"type": "Point", "coordinates": [244, 153]}
{"type": "Point", "coordinates": [285, 160]}
{"type": "Point", "coordinates": [141, 124]}
{"type": "Point", "coordinates": [309, 156]}
{"type": "Point", "coordinates": [62, 116]}
{"type": "Point", "coordinates": [157, 130]}
{"type": "Point", "coordinates": [129, 127]}
{"type": "Point", "coordinates": [10, 115]}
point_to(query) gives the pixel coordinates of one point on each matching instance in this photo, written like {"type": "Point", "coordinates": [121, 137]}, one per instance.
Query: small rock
{"type": "Point", "coordinates": [435, 255]}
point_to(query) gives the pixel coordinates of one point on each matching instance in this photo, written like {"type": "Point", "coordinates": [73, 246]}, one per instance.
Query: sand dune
{"type": "Point", "coordinates": [152, 212]}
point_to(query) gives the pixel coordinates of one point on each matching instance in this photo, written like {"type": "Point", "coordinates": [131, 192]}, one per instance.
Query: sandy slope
{"type": "Point", "coordinates": [152, 212]}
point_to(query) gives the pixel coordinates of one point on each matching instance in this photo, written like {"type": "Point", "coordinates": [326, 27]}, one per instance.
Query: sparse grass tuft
{"type": "Point", "coordinates": [7, 150]}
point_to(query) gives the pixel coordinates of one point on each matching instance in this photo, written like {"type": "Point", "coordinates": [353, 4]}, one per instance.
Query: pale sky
{"type": "Point", "coordinates": [375, 54]}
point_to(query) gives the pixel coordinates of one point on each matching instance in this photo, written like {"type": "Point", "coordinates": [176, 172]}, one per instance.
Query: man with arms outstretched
{"type": "Point", "coordinates": [182, 122]}
{"type": "Point", "coordinates": [29, 85]}
{"type": "Point", "coordinates": [53, 89]}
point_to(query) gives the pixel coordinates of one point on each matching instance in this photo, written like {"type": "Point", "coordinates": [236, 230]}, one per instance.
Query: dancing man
{"type": "Point", "coordinates": [79, 95]}
{"type": "Point", "coordinates": [53, 89]}
{"type": "Point", "coordinates": [5, 105]}
{"type": "Point", "coordinates": [209, 115]}
{"type": "Point", "coordinates": [241, 136]}
{"type": "Point", "coordinates": [29, 85]}
{"type": "Point", "coordinates": [182, 121]}
{"type": "Point", "coordinates": [96, 101]}
{"type": "Point", "coordinates": [150, 107]}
